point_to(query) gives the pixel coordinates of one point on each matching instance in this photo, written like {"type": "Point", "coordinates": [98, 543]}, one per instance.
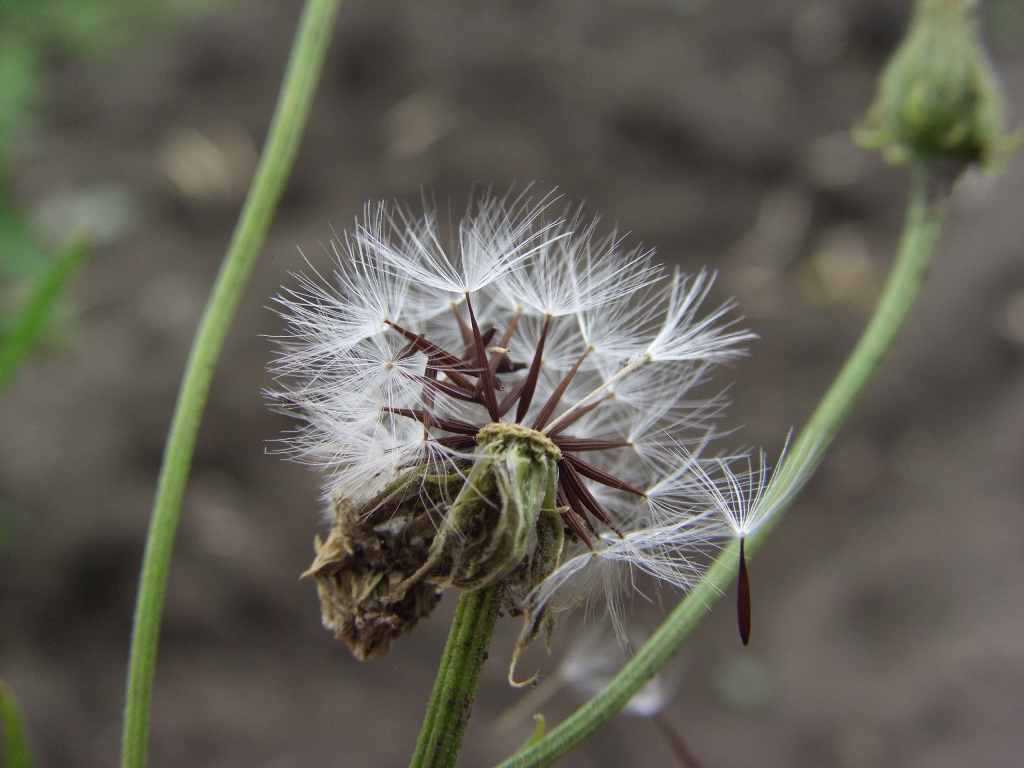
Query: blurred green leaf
{"type": "Point", "coordinates": [16, 749]}
{"type": "Point", "coordinates": [31, 31]}
{"type": "Point", "coordinates": [19, 65]}
{"type": "Point", "coordinates": [31, 319]}
{"type": "Point", "coordinates": [21, 252]}
{"type": "Point", "coordinates": [85, 27]}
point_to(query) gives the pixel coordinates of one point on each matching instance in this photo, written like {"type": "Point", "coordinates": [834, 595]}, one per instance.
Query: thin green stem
{"type": "Point", "coordinates": [286, 127]}
{"type": "Point", "coordinates": [451, 701]}
{"type": "Point", "coordinates": [925, 212]}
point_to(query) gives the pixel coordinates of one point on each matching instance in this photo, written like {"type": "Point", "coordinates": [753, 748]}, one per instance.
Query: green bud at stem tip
{"type": "Point", "coordinates": [939, 100]}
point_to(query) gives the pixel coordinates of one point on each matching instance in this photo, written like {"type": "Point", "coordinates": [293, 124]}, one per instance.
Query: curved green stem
{"type": "Point", "coordinates": [286, 127]}
{"type": "Point", "coordinates": [451, 701]}
{"type": "Point", "coordinates": [923, 222]}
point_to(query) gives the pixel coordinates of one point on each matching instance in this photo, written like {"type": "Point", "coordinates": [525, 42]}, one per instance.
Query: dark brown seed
{"type": "Point", "coordinates": [490, 399]}
{"type": "Point", "coordinates": [440, 358]}
{"type": "Point", "coordinates": [556, 395]}
{"type": "Point", "coordinates": [531, 377]}
{"type": "Point", "coordinates": [575, 487]}
{"type": "Point", "coordinates": [441, 422]}
{"type": "Point", "coordinates": [510, 399]}
{"type": "Point", "coordinates": [600, 476]}
{"type": "Point", "coordinates": [588, 444]}
{"type": "Point", "coordinates": [743, 599]}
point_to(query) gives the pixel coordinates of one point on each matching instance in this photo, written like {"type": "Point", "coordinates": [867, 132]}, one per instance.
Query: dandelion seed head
{"type": "Point", "coordinates": [512, 404]}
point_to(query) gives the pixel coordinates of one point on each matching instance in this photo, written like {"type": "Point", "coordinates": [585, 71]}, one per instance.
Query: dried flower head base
{"type": "Point", "coordinates": [361, 562]}
{"type": "Point", "coordinates": [513, 410]}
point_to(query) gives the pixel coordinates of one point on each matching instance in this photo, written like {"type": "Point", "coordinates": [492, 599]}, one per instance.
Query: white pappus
{"type": "Point", "coordinates": [509, 409]}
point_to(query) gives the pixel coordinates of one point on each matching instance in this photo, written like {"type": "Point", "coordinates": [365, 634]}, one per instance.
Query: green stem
{"type": "Point", "coordinates": [925, 212]}
{"type": "Point", "coordinates": [451, 701]}
{"type": "Point", "coordinates": [286, 127]}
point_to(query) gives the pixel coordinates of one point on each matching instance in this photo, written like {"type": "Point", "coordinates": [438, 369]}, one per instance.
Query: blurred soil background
{"type": "Point", "coordinates": [888, 617]}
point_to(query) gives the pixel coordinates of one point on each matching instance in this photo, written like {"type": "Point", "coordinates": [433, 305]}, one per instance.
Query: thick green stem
{"type": "Point", "coordinates": [451, 701]}
{"type": "Point", "coordinates": [287, 124]}
{"type": "Point", "coordinates": [923, 222]}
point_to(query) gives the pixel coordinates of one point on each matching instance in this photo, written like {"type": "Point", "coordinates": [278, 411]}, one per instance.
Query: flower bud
{"type": "Point", "coordinates": [938, 98]}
